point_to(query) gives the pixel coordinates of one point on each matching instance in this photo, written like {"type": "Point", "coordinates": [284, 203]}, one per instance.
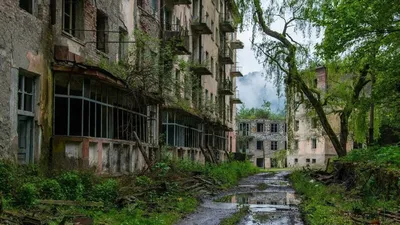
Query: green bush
{"type": "Point", "coordinates": [50, 189]}
{"type": "Point", "coordinates": [7, 177]}
{"type": "Point", "coordinates": [106, 191]}
{"type": "Point", "coordinates": [26, 195]}
{"type": "Point", "coordinates": [71, 185]}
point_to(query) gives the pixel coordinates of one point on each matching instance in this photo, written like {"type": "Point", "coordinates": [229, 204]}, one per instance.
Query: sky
{"type": "Point", "coordinates": [254, 88]}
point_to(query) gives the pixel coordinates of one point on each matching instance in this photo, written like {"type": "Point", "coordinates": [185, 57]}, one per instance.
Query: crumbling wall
{"type": "Point", "coordinates": [24, 44]}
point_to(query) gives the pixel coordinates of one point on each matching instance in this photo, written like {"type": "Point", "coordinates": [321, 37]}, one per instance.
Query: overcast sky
{"type": "Point", "coordinates": [253, 87]}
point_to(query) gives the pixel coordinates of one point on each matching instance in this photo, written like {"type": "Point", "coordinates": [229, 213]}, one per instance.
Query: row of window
{"type": "Point", "coordinates": [296, 160]}
{"type": "Point", "coordinates": [313, 143]}
{"type": "Point", "coordinates": [314, 124]}
{"type": "Point", "coordinates": [273, 145]}
{"type": "Point", "coordinates": [274, 128]}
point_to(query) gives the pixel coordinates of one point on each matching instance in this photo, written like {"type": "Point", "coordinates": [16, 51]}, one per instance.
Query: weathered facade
{"type": "Point", "coordinates": [260, 139]}
{"type": "Point", "coordinates": [62, 104]}
{"type": "Point", "coordinates": [204, 126]}
{"type": "Point", "coordinates": [312, 147]}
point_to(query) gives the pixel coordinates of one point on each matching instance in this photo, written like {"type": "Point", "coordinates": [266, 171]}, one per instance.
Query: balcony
{"type": "Point", "coordinates": [226, 23]}
{"type": "Point", "coordinates": [236, 71]}
{"type": "Point", "coordinates": [179, 2]}
{"type": "Point", "coordinates": [201, 64]}
{"type": "Point", "coordinates": [201, 24]}
{"type": "Point", "coordinates": [236, 44]}
{"type": "Point", "coordinates": [225, 87]}
{"type": "Point", "coordinates": [179, 36]}
{"type": "Point", "coordinates": [236, 98]}
{"type": "Point", "coordinates": [226, 55]}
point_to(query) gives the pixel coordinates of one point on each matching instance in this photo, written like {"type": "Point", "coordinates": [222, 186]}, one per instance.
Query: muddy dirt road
{"type": "Point", "coordinates": [271, 199]}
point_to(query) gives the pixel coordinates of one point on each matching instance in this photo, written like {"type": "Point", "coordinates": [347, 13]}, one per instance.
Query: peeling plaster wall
{"type": "Point", "coordinates": [24, 44]}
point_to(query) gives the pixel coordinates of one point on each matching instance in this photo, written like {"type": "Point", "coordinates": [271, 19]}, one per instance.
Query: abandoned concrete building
{"type": "Point", "coordinates": [260, 139]}
{"type": "Point", "coordinates": [312, 147]}
{"type": "Point", "coordinates": [59, 103]}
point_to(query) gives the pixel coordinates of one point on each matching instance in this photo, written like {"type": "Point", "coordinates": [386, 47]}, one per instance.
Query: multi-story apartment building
{"type": "Point", "coordinates": [260, 139]}
{"type": "Point", "coordinates": [311, 146]}
{"type": "Point", "coordinates": [62, 100]}
{"type": "Point", "coordinates": [205, 125]}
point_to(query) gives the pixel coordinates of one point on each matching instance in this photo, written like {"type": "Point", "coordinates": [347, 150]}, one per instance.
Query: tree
{"type": "Point", "coordinates": [287, 60]}
{"type": "Point", "coordinates": [365, 32]}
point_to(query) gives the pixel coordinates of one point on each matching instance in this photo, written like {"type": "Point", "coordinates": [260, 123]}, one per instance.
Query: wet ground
{"type": "Point", "coordinates": [270, 197]}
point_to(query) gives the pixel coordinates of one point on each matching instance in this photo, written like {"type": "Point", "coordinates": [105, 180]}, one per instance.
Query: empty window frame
{"type": "Point", "coordinates": [296, 160]}
{"type": "Point", "coordinates": [307, 160]}
{"type": "Point", "coordinates": [313, 143]}
{"type": "Point", "coordinates": [26, 95]}
{"type": "Point", "coordinates": [314, 161]}
{"type": "Point", "coordinates": [85, 107]}
{"type": "Point", "coordinates": [123, 45]}
{"type": "Point", "coordinates": [314, 122]}
{"type": "Point", "coordinates": [296, 144]}
{"type": "Point", "coordinates": [274, 127]}
{"type": "Point", "coordinates": [274, 145]}
{"type": "Point", "coordinates": [259, 145]}
{"type": "Point", "coordinates": [260, 127]}
{"type": "Point", "coordinates": [296, 125]}
{"type": "Point", "coordinates": [101, 31]}
{"type": "Point", "coordinates": [73, 17]}
{"type": "Point", "coordinates": [28, 5]}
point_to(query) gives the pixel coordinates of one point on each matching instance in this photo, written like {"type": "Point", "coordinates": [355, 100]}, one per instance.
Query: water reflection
{"type": "Point", "coordinates": [261, 198]}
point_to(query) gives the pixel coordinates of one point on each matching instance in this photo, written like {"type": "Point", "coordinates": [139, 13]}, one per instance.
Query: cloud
{"type": "Point", "coordinates": [255, 89]}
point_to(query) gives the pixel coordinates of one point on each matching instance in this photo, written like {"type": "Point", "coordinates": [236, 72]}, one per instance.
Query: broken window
{"type": "Point", "coordinates": [274, 145]}
{"type": "Point", "coordinates": [27, 5]}
{"type": "Point", "coordinates": [123, 45]}
{"type": "Point", "coordinates": [274, 127]}
{"type": "Point", "coordinates": [260, 127]}
{"type": "Point", "coordinates": [314, 122]}
{"type": "Point", "coordinates": [26, 95]}
{"type": "Point", "coordinates": [85, 107]}
{"type": "Point", "coordinates": [101, 27]}
{"type": "Point", "coordinates": [314, 161]}
{"type": "Point", "coordinates": [259, 145]}
{"type": "Point", "coordinates": [314, 143]}
{"type": "Point", "coordinates": [73, 17]}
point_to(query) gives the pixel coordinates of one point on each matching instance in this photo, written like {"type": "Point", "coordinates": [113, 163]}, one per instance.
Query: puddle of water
{"type": "Point", "coordinates": [274, 219]}
{"type": "Point", "coordinates": [261, 198]}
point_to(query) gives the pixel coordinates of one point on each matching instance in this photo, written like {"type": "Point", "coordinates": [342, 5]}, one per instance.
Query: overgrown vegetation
{"type": "Point", "coordinates": [259, 113]}
{"type": "Point", "coordinates": [160, 196]}
{"type": "Point", "coordinates": [368, 180]}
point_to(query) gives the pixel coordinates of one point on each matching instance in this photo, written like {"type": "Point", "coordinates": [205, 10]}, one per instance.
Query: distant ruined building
{"type": "Point", "coordinates": [62, 103]}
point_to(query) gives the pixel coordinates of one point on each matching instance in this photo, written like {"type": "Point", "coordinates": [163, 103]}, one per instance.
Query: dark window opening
{"type": "Point", "coordinates": [314, 143]}
{"type": "Point", "coordinates": [274, 145]}
{"type": "Point", "coordinates": [296, 144]}
{"type": "Point", "coordinates": [123, 45]}
{"type": "Point", "coordinates": [307, 160]}
{"type": "Point", "coordinates": [260, 127]}
{"type": "Point", "coordinates": [73, 18]}
{"type": "Point", "coordinates": [297, 125]}
{"type": "Point", "coordinates": [27, 5]}
{"type": "Point", "coordinates": [101, 27]}
{"type": "Point", "coordinates": [274, 127]}
{"type": "Point", "coordinates": [285, 145]}
{"type": "Point", "coordinates": [260, 162]}
{"type": "Point", "coordinates": [314, 122]}
{"type": "Point", "coordinates": [314, 161]}
{"type": "Point", "coordinates": [259, 145]}
{"type": "Point", "coordinates": [315, 84]}
{"type": "Point", "coordinates": [296, 160]}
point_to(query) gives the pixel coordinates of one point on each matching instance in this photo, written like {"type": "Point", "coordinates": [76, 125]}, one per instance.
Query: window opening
{"type": "Point", "coordinates": [274, 145]}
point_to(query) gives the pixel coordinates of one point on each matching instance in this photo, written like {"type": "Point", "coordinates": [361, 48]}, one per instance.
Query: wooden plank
{"type": "Point", "coordinates": [146, 158]}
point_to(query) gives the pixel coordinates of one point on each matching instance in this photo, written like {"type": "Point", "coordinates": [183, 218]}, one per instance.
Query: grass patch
{"type": "Point", "coordinates": [262, 217]}
{"type": "Point", "coordinates": [236, 217]}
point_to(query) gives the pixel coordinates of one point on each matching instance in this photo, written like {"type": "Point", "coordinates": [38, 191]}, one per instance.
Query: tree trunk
{"type": "Point", "coordinates": [344, 130]}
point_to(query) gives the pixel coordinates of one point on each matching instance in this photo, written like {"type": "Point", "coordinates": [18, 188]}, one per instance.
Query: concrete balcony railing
{"type": "Point", "coordinates": [226, 55]}
{"type": "Point", "coordinates": [226, 23]}
{"type": "Point", "coordinates": [225, 87]}
{"type": "Point", "coordinates": [236, 71]}
{"type": "Point", "coordinates": [236, 44]}
{"type": "Point", "coordinates": [201, 64]}
{"type": "Point", "coordinates": [179, 36]}
{"type": "Point", "coordinates": [201, 23]}
{"type": "Point", "coordinates": [236, 98]}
